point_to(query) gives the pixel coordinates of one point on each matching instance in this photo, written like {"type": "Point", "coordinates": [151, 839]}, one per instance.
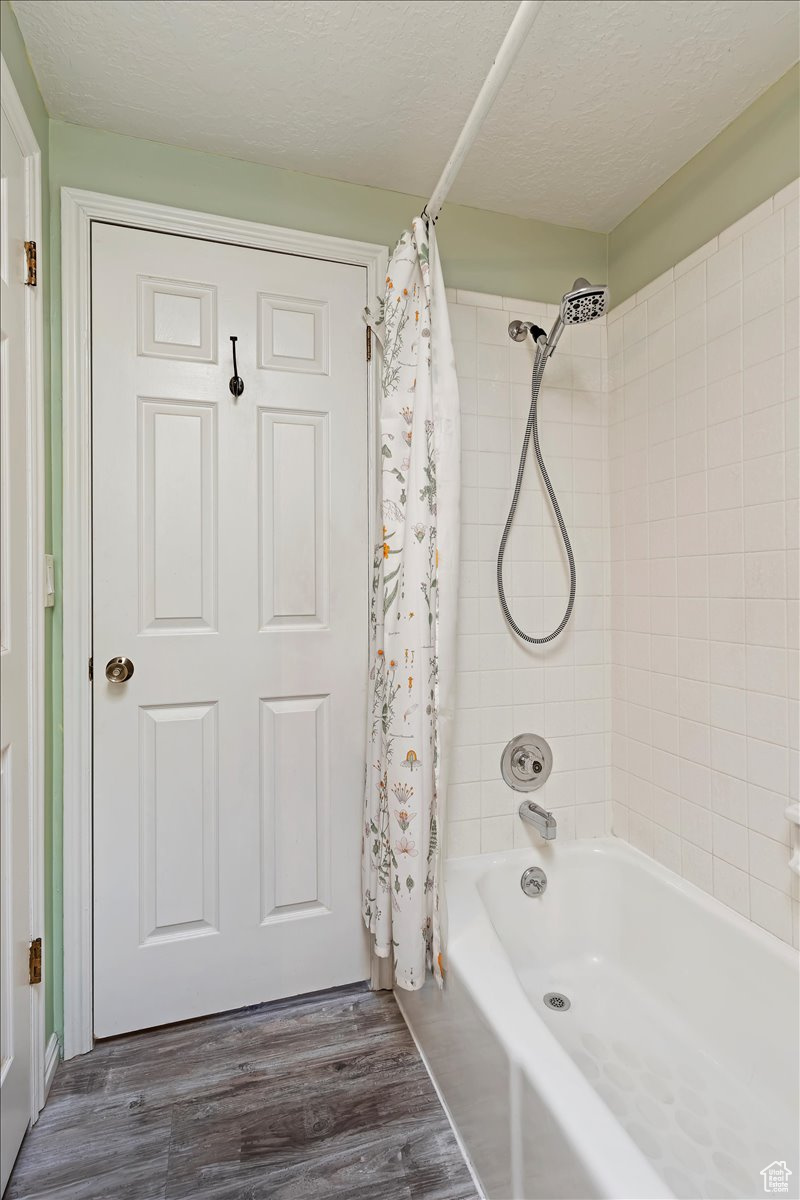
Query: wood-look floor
{"type": "Point", "coordinates": [322, 1097]}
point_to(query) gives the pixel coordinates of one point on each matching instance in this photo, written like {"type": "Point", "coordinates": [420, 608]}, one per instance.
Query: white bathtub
{"type": "Point", "coordinates": [673, 1073]}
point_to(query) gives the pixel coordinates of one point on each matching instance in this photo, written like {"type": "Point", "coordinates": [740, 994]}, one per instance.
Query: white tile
{"type": "Point", "coordinates": [492, 362]}
{"type": "Point", "coordinates": [771, 909]}
{"type": "Point", "coordinates": [725, 531]}
{"type": "Point", "coordinates": [748, 221]}
{"type": "Point", "coordinates": [656, 286]}
{"type": "Point", "coordinates": [728, 753]}
{"type": "Point", "coordinates": [763, 432]}
{"type": "Point", "coordinates": [732, 886]}
{"type": "Point", "coordinates": [725, 482]}
{"type": "Point", "coordinates": [661, 307]}
{"type": "Point", "coordinates": [497, 833]}
{"type": "Point", "coordinates": [766, 622]}
{"type": "Point", "coordinates": [464, 801]}
{"type": "Point", "coordinates": [697, 866]}
{"type": "Point", "coordinates": [766, 814]}
{"type": "Point", "coordinates": [787, 194]}
{"type": "Point", "coordinates": [728, 708]}
{"type": "Point", "coordinates": [764, 479]}
{"type": "Point", "coordinates": [730, 842]}
{"type": "Point", "coordinates": [634, 326]}
{"type": "Point", "coordinates": [724, 399]}
{"type": "Point", "coordinates": [763, 384]}
{"type": "Point", "coordinates": [762, 243]}
{"type": "Point", "coordinates": [769, 861]}
{"type": "Point", "coordinates": [762, 339]}
{"type": "Point", "coordinates": [690, 289]}
{"type": "Point", "coordinates": [463, 838]}
{"type": "Point", "coordinates": [767, 670]}
{"type": "Point", "coordinates": [462, 322]}
{"type": "Point", "coordinates": [764, 527]}
{"type": "Point", "coordinates": [768, 718]}
{"type": "Point", "coordinates": [724, 269]}
{"type": "Point", "coordinates": [729, 797]}
{"type": "Point", "coordinates": [466, 358]}
{"type": "Point", "coordinates": [479, 299]}
{"type": "Point", "coordinates": [767, 765]}
{"type": "Point", "coordinates": [690, 372]}
{"type": "Point", "coordinates": [725, 443]}
{"type": "Point", "coordinates": [724, 356]}
{"type": "Point", "coordinates": [702, 253]}
{"type": "Point", "coordinates": [696, 826]}
{"type": "Point", "coordinates": [763, 290]}
{"type": "Point", "coordinates": [492, 327]}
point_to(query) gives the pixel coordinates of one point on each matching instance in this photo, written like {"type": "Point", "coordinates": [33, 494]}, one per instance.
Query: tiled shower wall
{"type": "Point", "coordinates": [703, 482]}
{"type": "Point", "coordinates": [504, 687]}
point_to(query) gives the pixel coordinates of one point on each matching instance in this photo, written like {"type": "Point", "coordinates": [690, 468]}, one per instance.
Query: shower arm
{"type": "Point", "coordinates": [518, 30]}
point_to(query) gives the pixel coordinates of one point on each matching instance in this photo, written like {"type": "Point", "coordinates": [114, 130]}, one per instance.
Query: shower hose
{"type": "Point", "coordinates": [533, 428]}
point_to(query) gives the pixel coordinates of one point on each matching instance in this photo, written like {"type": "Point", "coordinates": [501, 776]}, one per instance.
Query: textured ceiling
{"type": "Point", "coordinates": [607, 99]}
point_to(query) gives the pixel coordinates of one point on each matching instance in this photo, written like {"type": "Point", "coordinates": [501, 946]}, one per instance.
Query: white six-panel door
{"type": "Point", "coordinates": [15, 916]}
{"type": "Point", "coordinates": [230, 565]}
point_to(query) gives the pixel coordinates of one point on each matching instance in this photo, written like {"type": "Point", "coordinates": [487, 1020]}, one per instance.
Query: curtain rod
{"type": "Point", "coordinates": [518, 30]}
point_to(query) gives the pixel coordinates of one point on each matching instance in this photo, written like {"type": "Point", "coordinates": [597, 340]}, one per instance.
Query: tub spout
{"type": "Point", "coordinates": [542, 820]}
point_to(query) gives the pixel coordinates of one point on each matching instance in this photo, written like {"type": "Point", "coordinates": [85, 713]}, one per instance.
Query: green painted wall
{"type": "Point", "coordinates": [481, 250]}
{"type": "Point", "coordinates": [754, 157]}
{"type": "Point", "coordinates": [16, 57]}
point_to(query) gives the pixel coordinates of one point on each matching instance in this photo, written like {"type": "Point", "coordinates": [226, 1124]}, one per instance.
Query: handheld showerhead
{"type": "Point", "coordinates": [584, 302]}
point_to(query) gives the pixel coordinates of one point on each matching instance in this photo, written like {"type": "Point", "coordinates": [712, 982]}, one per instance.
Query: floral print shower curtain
{"type": "Point", "coordinates": [412, 617]}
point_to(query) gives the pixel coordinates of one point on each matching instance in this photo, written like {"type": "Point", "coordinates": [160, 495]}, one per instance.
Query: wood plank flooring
{"type": "Point", "coordinates": [321, 1098]}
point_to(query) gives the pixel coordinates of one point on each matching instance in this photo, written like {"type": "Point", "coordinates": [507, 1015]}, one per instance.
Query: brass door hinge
{"type": "Point", "coordinates": [35, 961]}
{"type": "Point", "coordinates": [369, 344]}
{"type": "Point", "coordinates": [30, 263]}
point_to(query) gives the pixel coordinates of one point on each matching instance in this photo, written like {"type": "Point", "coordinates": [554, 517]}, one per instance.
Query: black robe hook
{"type": "Point", "coordinates": [236, 384]}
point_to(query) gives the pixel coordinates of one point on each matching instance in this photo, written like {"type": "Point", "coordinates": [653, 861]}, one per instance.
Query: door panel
{"type": "Point", "coordinates": [179, 793]}
{"type": "Point", "coordinates": [231, 566]}
{"type": "Point", "coordinates": [293, 476]}
{"type": "Point", "coordinates": [177, 515]}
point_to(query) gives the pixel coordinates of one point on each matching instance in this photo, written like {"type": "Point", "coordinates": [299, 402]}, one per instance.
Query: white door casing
{"type": "Point", "coordinates": [21, 633]}
{"type": "Point", "coordinates": [79, 209]}
{"type": "Point", "coordinates": [231, 566]}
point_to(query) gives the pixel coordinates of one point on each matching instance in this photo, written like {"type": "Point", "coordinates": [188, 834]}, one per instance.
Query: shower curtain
{"type": "Point", "coordinates": [412, 619]}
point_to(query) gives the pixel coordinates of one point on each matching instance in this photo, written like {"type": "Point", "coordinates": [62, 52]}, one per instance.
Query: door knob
{"type": "Point", "coordinates": [118, 670]}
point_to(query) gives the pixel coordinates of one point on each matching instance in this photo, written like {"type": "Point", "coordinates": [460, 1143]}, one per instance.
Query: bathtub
{"type": "Point", "coordinates": [672, 1073]}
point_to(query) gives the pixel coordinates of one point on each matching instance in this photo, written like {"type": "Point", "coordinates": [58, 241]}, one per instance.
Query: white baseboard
{"type": "Point", "coordinates": [52, 1058]}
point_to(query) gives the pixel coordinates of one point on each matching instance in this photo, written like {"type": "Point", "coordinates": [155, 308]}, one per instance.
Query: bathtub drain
{"type": "Point", "coordinates": [556, 1000]}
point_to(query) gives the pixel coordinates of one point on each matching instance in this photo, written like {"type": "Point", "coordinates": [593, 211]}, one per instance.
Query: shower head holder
{"type": "Point", "coordinates": [519, 330]}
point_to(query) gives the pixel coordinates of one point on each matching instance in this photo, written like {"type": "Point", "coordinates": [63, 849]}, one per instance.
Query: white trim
{"type": "Point", "coordinates": [34, 398]}
{"type": "Point", "coordinates": [78, 210]}
{"type": "Point", "coordinates": [51, 1061]}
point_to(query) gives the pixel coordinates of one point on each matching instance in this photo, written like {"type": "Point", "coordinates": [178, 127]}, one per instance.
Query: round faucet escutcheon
{"type": "Point", "coordinates": [526, 762]}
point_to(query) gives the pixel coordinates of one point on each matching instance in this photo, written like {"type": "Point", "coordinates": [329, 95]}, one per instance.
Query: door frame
{"type": "Point", "coordinates": [35, 538]}
{"type": "Point", "coordinates": [79, 209]}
